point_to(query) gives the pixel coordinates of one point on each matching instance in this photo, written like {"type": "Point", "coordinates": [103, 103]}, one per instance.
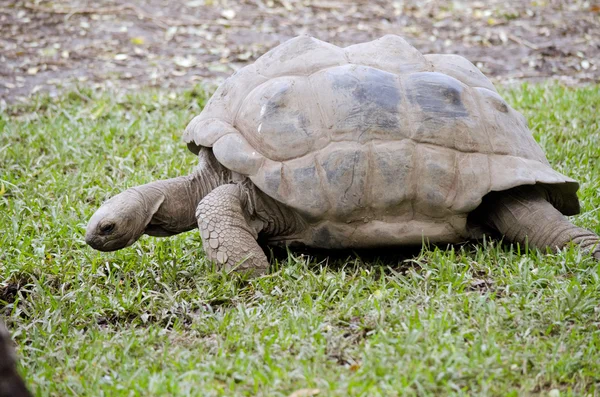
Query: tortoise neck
{"type": "Point", "coordinates": [181, 196]}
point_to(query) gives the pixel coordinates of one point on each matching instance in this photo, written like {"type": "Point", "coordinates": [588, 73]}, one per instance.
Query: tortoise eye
{"type": "Point", "coordinates": [107, 228]}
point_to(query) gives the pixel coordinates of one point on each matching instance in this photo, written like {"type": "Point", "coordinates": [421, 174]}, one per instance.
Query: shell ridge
{"type": "Point", "coordinates": [414, 185]}
{"type": "Point", "coordinates": [404, 108]}
{"type": "Point", "coordinates": [369, 177]}
{"type": "Point", "coordinates": [321, 177]}
{"type": "Point", "coordinates": [451, 198]}
{"type": "Point", "coordinates": [417, 142]}
{"type": "Point", "coordinates": [324, 120]}
{"type": "Point", "coordinates": [432, 66]}
{"type": "Point", "coordinates": [489, 188]}
{"type": "Point", "coordinates": [482, 121]}
{"type": "Point", "coordinates": [406, 104]}
{"type": "Point", "coordinates": [346, 56]}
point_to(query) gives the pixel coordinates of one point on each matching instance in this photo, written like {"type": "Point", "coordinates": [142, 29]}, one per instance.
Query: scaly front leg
{"type": "Point", "coordinates": [227, 235]}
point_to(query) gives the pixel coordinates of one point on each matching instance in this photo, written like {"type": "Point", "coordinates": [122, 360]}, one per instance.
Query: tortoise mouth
{"type": "Point", "coordinates": [106, 243]}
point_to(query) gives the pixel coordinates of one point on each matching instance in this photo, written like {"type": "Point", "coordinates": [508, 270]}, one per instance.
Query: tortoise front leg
{"type": "Point", "coordinates": [228, 237]}
{"type": "Point", "coordinates": [523, 215]}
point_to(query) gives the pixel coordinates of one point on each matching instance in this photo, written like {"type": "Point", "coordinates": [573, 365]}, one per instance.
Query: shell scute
{"type": "Point", "coordinates": [442, 112]}
{"type": "Point", "coordinates": [436, 94]}
{"type": "Point", "coordinates": [226, 100]}
{"type": "Point", "coordinates": [345, 169]}
{"type": "Point", "coordinates": [279, 118]}
{"type": "Point", "coordinates": [390, 53]}
{"type": "Point", "coordinates": [302, 56]}
{"type": "Point", "coordinates": [295, 182]}
{"type": "Point", "coordinates": [235, 153]}
{"type": "Point", "coordinates": [459, 68]}
{"type": "Point", "coordinates": [393, 176]}
{"type": "Point", "coordinates": [359, 103]}
{"type": "Point", "coordinates": [437, 173]}
{"type": "Point", "coordinates": [506, 128]}
{"type": "Point", "coordinates": [211, 130]}
{"type": "Point", "coordinates": [472, 182]}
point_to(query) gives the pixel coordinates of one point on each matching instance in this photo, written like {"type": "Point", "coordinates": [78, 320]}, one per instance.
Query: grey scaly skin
{"type": "Point", "coordinates": [11, 384]}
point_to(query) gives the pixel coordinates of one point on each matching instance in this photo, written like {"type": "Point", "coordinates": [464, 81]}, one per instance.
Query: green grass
{"type": "Point", "coordinates": [156, 320]}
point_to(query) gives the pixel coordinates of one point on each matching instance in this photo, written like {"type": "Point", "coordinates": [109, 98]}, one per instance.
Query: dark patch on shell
{"type": "Point", "coordinates": [273, 180]}
{"type": "Point", "coordinates": [305, 174]}
{"type": "Point", "coordinates": [375, 98]}
{"type": "Point", "coordinates": [276, 101]}
{"type": "Point", "coordinates": [437, 94]}
{"type": "Point", "coordinates": [500, 105]}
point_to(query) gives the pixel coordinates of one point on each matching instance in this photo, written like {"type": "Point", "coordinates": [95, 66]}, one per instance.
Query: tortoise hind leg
{"type": "Point", "coordinates": [523, 215]}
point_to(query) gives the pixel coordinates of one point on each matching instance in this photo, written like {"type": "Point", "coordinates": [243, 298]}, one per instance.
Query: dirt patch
{"type": "Point", "coordinates": [52, 45]}
{"type": "Point", "coordinates": [10, 289]}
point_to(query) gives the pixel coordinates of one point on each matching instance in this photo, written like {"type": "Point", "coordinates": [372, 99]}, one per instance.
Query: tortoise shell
{"type": "Point", "coordinates": [375, 133]}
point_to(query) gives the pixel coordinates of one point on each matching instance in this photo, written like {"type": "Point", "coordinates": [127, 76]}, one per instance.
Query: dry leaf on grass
{"type": "Point", "coordinates": [305, 393]}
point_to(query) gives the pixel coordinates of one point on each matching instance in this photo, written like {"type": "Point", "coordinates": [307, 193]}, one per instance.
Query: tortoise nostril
{"type": "Point", "coordinates": [107, 228]}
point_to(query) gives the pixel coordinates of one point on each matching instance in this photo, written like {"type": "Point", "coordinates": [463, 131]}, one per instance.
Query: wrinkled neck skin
{"type": "Point", "coordinates": [168, 205]}
{"type": "Point", "coordinates": [161, 208]}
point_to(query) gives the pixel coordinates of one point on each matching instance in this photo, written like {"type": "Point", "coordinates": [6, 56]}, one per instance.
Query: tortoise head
{"type": "Point", "coordinates": [120, 221]}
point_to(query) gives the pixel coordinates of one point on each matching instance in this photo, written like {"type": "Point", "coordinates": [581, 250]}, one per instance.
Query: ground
{"type": "Point", "coordinates": [47, 45]}
{"type": "Point", "coordinates": [156, 319]}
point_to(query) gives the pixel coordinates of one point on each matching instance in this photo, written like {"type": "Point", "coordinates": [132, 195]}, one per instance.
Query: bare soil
{"type": "Point", "coordinates": [52, 45]}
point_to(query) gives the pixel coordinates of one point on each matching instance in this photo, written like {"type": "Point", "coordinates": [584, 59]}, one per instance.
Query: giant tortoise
{"type": "Point", "coordinates": [371, 145]}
